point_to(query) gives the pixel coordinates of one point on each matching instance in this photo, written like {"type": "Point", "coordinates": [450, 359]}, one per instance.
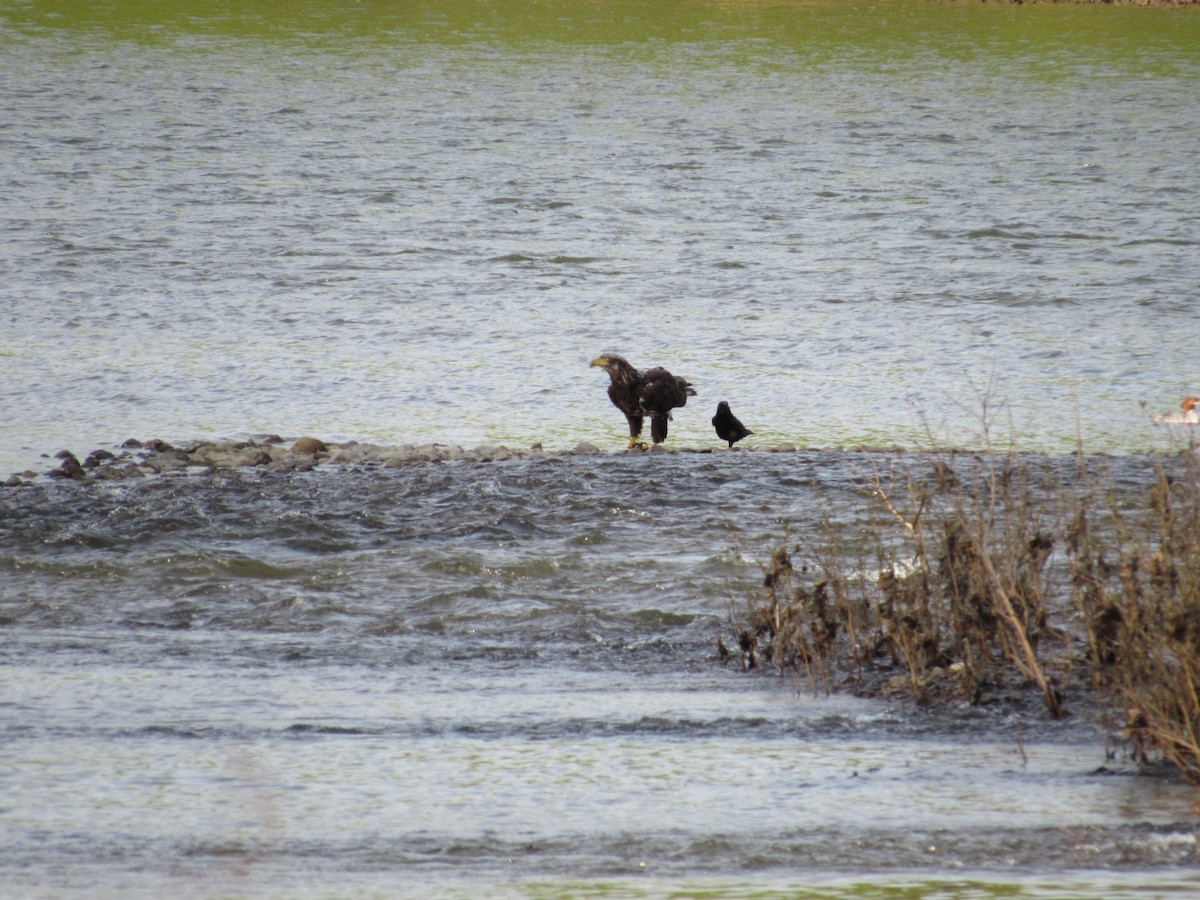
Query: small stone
{"type": "Point", "coordinates": [111, 473]}
{"type": "Point", "coordinates": [14, 481]}
{"type": "Point", "coordinates": [585, 448]}
{"type": "Point", "coordinates": [369, 453]}
{"type": "Point", "coordinates": [255, 456]}
{"type": "Point", "coordinates": [310, 445]}
{"type": "Point", "coordinates": [432, 452]}
{"type": "Point", "coordinates": [164, 462]}
{"type": "Point", "coordinates": [132, 443]}
{"type": "Point", "coordinates": [70, 468]}
{"type": "Point", "coordinates": [240, 457]}
{"type": "Point", "coordinates": [405, 455]}
{"type": "Point", "coordinates": [201, 456]}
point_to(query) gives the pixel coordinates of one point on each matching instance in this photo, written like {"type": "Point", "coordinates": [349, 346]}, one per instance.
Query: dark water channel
{"type": "Point", "coordinates": [455, 678]}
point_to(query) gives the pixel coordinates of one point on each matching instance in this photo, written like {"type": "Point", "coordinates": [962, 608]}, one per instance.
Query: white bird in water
{"type": "Point", "coordinates": [1185, 415]}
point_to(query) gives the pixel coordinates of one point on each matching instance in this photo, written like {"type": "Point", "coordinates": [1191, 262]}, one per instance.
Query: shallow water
{"type": "Point", "coordinates": [464, 677]}
{"type": "Point", "coordinates": [418, 222]}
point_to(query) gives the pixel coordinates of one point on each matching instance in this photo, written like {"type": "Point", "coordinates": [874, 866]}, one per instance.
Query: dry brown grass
{"type": "Point", "coordinates": [1001, 572]}
{"type": "Point", "coordinates": [1138, 596]}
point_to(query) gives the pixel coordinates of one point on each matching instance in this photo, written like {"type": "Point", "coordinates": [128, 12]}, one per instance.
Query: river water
{"type": "Point", "coordinates": [418, 222]}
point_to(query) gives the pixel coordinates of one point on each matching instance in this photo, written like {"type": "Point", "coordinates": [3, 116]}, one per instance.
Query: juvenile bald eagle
{"type": "Point", "coordinates": [653, 392]}
{"type": "Point", "coordinates": [729, 427]}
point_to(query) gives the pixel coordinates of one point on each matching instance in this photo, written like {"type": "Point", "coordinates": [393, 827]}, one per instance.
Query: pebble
{"type": "Point", "coordinates": [137, 459]}
{"type": "Point", "coordinates": [309, 445]}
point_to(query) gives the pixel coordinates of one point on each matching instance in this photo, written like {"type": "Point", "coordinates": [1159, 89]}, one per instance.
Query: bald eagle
{"type": "Point", "coordinates": [652, 392]}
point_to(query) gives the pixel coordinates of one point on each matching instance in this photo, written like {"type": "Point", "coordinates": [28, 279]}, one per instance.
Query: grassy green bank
{"type": "Point", "coordinates": [816, 28]}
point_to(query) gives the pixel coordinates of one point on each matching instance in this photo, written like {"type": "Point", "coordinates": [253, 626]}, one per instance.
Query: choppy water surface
{"type": "Point", "coordinates": [466, 677]}
{"type": "Point", "coordinates": [418, 222]}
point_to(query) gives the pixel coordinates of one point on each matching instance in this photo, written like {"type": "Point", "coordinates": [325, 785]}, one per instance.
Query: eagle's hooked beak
{"type": "Point", "coordinates": [601, 361]}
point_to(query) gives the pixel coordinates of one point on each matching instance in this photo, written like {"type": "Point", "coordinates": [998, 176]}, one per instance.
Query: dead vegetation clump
{"type": "Point", "coordinates": [1136, 588]}
{"type": "Point", "coordinates": [992, 575]}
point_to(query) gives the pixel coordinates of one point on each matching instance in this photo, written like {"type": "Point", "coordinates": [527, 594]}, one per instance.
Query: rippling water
{"type": "Point", "coordinates": [418, 222]}
{"type": "Point", "coordinates": [452, 675]}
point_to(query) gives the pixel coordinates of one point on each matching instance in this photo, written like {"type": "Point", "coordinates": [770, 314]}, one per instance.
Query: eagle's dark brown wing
{"type": "Point", "coordinates": [660, 392]}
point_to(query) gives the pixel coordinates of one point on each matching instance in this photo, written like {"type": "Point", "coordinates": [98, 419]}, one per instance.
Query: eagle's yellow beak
{"type": "Point", "coordinates": [601, 361]}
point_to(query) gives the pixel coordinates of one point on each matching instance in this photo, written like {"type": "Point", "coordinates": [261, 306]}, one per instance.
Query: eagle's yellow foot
{"type": "Point", "coordinates": [635, 444]}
